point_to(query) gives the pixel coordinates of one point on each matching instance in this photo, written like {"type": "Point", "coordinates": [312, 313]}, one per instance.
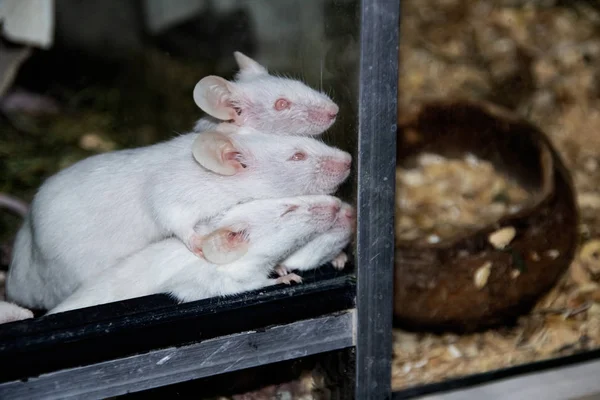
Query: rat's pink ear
{"type": "Point", "coordinates": [215, 152]}
{"type": "Point", "coordinates": [224, 246]}
{"type": "Point", "coordinates": [248, 67]}
{"type": "Point", "coordinates": [213, 95]}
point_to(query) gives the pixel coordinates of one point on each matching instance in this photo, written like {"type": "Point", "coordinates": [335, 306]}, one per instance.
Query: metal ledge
{"type": "Point", "coordinates": [536, 375]}
{"type": "Point", "coordinates": [572, 382]}
{"type": "Point", "coordinates": [178, 364]}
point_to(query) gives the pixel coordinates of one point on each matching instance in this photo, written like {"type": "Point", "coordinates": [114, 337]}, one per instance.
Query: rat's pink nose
{"type": "Point", "coordinates": [337, 166]}
{"type": "Point", "coordinates": [333, 112]}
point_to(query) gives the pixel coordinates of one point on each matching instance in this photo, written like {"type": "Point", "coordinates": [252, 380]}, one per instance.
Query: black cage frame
{"type": "Point", "coordinates": [147, 343]}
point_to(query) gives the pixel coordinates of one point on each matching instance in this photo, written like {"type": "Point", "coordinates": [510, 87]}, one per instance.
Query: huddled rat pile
{"type": "Point", "coordinates": [209, 213]}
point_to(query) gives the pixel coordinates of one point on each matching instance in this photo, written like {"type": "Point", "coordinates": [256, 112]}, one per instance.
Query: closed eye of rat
{"type": "Point", "coordinates": [233, 235]}
{"type": "Point", "coordinates": [290, 209]}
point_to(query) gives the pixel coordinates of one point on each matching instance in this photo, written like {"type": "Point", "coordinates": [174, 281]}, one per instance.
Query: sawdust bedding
{"type": "Point", "coordinates": [542, 60]}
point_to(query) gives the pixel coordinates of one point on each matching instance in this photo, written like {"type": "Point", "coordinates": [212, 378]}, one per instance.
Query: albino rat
{"type": "Point", "coordinates": [327, 247]}
{"type": "Point", "coordinates": [108, 206]}
{"type": "Point", "coordinates": [270, 104]}
{"type": "Point", "coordinates": [240, 247]}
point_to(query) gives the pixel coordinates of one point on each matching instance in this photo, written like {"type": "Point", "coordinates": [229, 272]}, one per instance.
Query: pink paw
{"type": "Point", "coordinates": [289, 278]}
{"type": "Point", "coordinates": [10, 312]}
{"type": "Point", "coordinates": [281, 270]}
{"type": "Point", "coordinates": [340, 261]}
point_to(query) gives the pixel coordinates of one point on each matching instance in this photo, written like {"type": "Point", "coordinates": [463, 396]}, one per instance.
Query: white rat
{"type": "Point", "coordinates": [268, 103]}
{"type": "Point", "coordinates": [240, 248]}
{"type": "Point", "coordinates": [326, 247]}
{"type": "Point", "coordinates": [108, 206]}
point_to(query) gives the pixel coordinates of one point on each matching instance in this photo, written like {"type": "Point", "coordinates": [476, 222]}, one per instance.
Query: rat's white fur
{"type": "Point", "coordinates": [254, 93]}
{"type": "Point", "coordinates": [10, 312]}
{"type": "Point", "coordinates": [326, 247]}
{"type": "Point", "coordinates": [106, 207]}
{"type": "Point", "coordinates": [273, 228]}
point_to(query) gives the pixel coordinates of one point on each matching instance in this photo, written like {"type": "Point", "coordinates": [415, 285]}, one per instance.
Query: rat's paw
{"type": "Point", "coordinates": [281, 270]}
{"type": "Point", "coordinates": [340, 261]}
{"type": "Point", "coordinates": [11, 312]}
{"type": "Point", "coordinates": [289, 278]}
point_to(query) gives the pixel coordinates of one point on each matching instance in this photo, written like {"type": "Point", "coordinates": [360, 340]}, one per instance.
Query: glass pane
{"type": "Point", "coordinates": [120, 75]}
{"type": "Point", "coordinates": [489, 274]}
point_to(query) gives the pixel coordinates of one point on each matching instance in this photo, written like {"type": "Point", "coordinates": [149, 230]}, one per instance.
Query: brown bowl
{"type": "Point", "coordinates": [434, 283]}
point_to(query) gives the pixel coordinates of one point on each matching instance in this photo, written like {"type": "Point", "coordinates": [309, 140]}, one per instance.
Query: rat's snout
{"type": "Point", "coordinates": [329, 208]}
{"type": "Point", "coordinates": [336, 207]}
{"type": "Point", "coordinates": [349, 213]}
{"type": "Point", "coordinates": [337, 165]}
{"type": "Point", "coordinates": [333, 112]}
{"type": "Point", "coordinates": [323, 115]}
{"type": "Point", "coordinates": [347, 217]}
